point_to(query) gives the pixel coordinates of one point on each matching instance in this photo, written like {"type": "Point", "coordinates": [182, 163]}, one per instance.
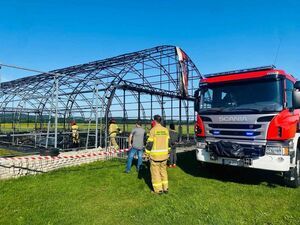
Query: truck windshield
{"type": "Point", "coordinates": [242, 97]}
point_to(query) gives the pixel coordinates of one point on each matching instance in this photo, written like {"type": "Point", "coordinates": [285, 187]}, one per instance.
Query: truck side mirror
{"type": "Point", "coordinates": [297, 85]}
{"type": "Point", "coordinates": [296, 95]}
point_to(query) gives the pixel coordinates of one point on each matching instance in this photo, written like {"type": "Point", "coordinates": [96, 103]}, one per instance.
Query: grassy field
{"type": "Point", "coordinates": [6, 152]}
{"type": "Point", "coordinates": [100, 193]}
{"type": "Point", "coordinates": [24, 127]}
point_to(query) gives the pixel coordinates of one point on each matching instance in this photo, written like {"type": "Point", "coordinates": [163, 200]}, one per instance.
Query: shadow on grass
{"type": "Point", "coordinates": [145, 174]}
{"type": "Point", "coordinates": [188, 163]}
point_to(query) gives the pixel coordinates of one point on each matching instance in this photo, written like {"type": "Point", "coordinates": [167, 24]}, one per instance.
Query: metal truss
{"type": "Point", "coordinates": [130, 86]}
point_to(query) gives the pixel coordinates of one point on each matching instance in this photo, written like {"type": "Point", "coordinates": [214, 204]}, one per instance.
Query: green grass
{"type": "Point", "coordinates": [100, 193]}
{"type": "Point", "coordinates": [6, 152]}
{"type": "Point", "coordinates": [29, 127]}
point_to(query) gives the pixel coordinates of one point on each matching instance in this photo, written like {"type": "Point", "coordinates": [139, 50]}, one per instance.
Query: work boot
{"type": "Point", "coordinates": [157, 193]}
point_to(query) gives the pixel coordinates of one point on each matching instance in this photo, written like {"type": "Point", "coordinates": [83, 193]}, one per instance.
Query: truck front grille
{"type": "Point", "coordinates": [248, 128]}
{"type": "Point", "coordinates": [235, 133]}
{"type": "Point", "coordinates": [240, 131]}
{"type": "Point", "coordinates": [235, 126]}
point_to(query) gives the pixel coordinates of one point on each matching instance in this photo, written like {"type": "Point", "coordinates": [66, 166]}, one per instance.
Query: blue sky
{"type": "Point", "coordinates": [217, 35]}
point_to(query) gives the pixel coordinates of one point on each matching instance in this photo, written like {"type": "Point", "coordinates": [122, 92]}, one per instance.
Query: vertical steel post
{"type": "Point", "coordinates": [151, 113]}
{"type": "Point", "coordinates": [124, 110]}
{"type": "Point", "coordinates": [187, 120]}
{"type": "Point", "coordinates": [35, 129]}
{"type": "Point", "coordinates": [27, 121]}
{"type": "Point", "coordinates": [169, 83]}
{"type": "Point", "coordinates": [162, 110]}
{"type": "Point", "coordinates": [139, 105]}
{"type": "Point", "coordinates": [160, 70]}
{"type": "Point", "coordinates": [50, 113]}
{"type": "Point", "coordinates": [106, 130]}
{"type": "Point", "coordinates": [109, 101]}
{"type": "Point", "coordinates": [143, 69]}
{"type": "Point", "coordinates": [180, 127]}
{"type": "Point", "coordinates": [96, 115]}
{"type": "Point", "coordinates": [56, 110]}
{"type": "Point", "coordinates": [13, 121]}
{"type": "Point", "coordinates": [172, 110]}
{"type": "Point", "coordinates": [101, 121]}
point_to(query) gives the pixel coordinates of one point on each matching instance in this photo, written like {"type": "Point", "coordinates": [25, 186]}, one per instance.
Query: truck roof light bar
{"type": "Point", "coordinates": [271, 67]}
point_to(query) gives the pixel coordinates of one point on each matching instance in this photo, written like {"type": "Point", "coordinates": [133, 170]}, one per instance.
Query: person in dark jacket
{"type": "Point", "coordinates": [173, 141]}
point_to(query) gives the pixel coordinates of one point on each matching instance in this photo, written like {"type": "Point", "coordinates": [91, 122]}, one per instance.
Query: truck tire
{"type": "Point", "coordinates": [292, 177]}
{"type": "Point", "coordinates": [201, 164]}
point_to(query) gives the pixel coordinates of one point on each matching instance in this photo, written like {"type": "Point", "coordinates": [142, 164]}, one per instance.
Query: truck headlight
{"type": "Point", "coordinates": [273, 150]}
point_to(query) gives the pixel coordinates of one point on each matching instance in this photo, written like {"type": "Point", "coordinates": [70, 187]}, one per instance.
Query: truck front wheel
{"type": "Point", "coordinates": [292, 177]}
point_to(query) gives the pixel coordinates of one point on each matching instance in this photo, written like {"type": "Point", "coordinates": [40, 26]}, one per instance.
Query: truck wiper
{"type": "Point", "coordinates": [212, 110]}
{"type": "Point", "coordinates": [244, 110]}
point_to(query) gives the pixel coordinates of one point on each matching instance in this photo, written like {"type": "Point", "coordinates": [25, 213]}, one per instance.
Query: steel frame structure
{"type": "Point", "coordinates": [130, 86]}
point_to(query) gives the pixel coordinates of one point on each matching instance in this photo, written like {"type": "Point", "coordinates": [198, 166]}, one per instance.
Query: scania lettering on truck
{"type": "Point", "coordinates": [250, 118]}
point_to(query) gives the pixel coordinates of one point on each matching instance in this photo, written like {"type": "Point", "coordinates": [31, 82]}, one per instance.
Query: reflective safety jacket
{"type": "Point", "coordinates": [75, 133]}
{"type": "Point", "coordinates": [158, 143]}
{"type": "Point", "coordinates": [113, 130]}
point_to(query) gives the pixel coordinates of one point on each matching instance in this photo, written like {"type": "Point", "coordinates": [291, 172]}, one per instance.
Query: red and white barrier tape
{"type": "Point", "coordinates": [87, 155]}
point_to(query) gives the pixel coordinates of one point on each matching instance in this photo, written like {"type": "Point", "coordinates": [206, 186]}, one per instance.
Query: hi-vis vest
{"type": "Point", "coordinates": [74, 129]}
{"type": "Point", "coordinates": [75, 133]}
{"type": "Point", "coordinates": [113, 130]}
{"type": "Point", "coordinates": [159, 136]}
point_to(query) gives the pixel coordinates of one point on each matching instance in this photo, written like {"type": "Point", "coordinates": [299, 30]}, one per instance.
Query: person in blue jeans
{"type": "Point", "coordinates": [136, 145]}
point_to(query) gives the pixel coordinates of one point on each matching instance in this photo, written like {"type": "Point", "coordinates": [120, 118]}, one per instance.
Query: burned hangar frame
{"type": "Point", "coordinates": [37, 110]}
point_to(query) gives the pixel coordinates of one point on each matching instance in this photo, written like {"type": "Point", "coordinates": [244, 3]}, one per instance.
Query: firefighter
{"type": "Point", "coordinates": [158, 149]}
{"type": "Point", "coordinates": [113, 131]}
{"type": "Point", "coordinates": [75, 134]}
{"type": "Point", "coordinates": [152, 124]}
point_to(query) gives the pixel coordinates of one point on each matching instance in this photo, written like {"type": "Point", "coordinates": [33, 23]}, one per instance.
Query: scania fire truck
{"type": "Point", "coordinates": [250, 118]}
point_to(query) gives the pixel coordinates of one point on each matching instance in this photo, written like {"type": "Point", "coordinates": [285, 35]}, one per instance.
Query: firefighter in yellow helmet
{"type": "Point", "coordinates": [158, 149]}
{"type": "Point", "coordinates": [75, 134]}
{"type": "Point", "coordinates": [113, 131]}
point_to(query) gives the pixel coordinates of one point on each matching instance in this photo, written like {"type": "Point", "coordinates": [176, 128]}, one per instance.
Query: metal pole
{"type": "Point", "coordinates": [160, 70]}
{"type": "Point", "coordinates": [30, 70]}
{"type": "Point", "coordinates": [106, 131]}
{"type": "Point", "coordinates": [109, 101]}
{"type": "Point", "coordinates": [50, 114]}
{"type": "Point", "coordinates": [172, 110]}
{"type": "Point", "coordinates": [35, 129]}
{"type": "Point", "coordinates": [101, 120]}
{"type": "Point", "coordinates": [96, 112]}
{"type": "Point", "coordinates": [188, 121]}
{"type": "Point", "coordinates": [56, 110]}
{"type": "Point", "coordinates": [139, 105]}
{"type": "Point", "coordinates": [162, 109]}
{"type": "Point", "coordinates": [180, 128]}
{"type": "Point", "coordinates": [124, 109]}
{"type": "Point", "coordinates": [151, 108]}
{"type": "Point", "coordinates": [13, 121]}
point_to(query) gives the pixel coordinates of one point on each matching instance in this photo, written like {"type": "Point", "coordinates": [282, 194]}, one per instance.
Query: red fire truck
{"type": "Point", "coordinates": [250, 118]}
